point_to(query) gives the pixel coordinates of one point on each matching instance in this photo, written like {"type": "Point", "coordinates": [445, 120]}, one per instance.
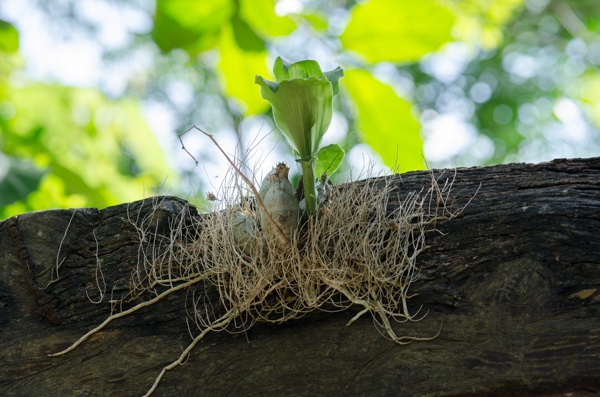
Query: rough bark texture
{"type": "Point", "coordinates": [513, 282]}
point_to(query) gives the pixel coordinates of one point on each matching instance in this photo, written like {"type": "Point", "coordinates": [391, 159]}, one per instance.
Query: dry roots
{"type": "Point", "coordinates": [360, 250]}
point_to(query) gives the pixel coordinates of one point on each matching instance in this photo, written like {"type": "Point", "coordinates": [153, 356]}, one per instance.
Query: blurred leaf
{"type": "Point", "coordinates": [9, 45]}
{"type": "Point", "coordinates": [50, 194]}
{"type": "Point", "coordinates": [9, 38]}
{"type": "Point", "coordinates": [17, 179]}
{"type": "Point", "coordinates": [237, 70]}
{"type": "Point", "coordinates": [329, 159]}
{"type": "Point", "coordinates": [245, 37]}
{"type": "Point", "coordinates": [397, 31]}
{"type": "Point", "coordinates": [386, 121]}
{"type": "Point", "coordinates": [189, 24]}
{"type": "Point", "coordinates": [168, 34]}
{"type": "Point", "coordinates": [261, 16]}
{"type": "Point", "coordinates": [136, 137]}
{"type": "Point", "coordinates": [190, 13]}
{"type": "Point", "coordinates": [588, 92]}
{"type": "Point", "coordinates": [318, 22]}
{"type": "Point", "coordinates": [83, 139]}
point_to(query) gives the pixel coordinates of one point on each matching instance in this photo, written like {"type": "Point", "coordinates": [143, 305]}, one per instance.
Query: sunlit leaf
{"type": "Point", "coordinates": [17, 179]}
{"type": "Point", "coordinates": [168, 34]}
{"type": "Point", "coordinates": [237, 70]}
{"type": "Point", "coordinates": [329, 159]}
{"type": "Point", "coordinates": [386, 121]}
{"type": "Point", "coordinates": [190, 13]}
{"type": "Point", "coordinates": [9, 37]}
{"type": "Point", "coordinates": [397, 31]}
{"type": "Point", "coordinates": [189, 24]}
{"type": "Point", "coordinates": [261, 16]}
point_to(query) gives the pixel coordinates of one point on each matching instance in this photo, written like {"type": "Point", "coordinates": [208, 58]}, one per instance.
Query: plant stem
{"type": "Point", "coordinates": [310, 191]}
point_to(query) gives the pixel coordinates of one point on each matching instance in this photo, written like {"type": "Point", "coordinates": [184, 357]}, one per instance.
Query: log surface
{"type": "Point", "coordinates": [513, 282]}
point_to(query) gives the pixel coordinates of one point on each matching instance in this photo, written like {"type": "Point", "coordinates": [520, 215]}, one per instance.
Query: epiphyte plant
{"type": "Point", "coordinates": [361, 252]}
{"type": "Point", "coordinates": [302, 102]}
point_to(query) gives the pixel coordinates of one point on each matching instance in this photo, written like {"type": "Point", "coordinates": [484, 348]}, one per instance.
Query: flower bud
{"type": "Point", "coordinates": [279, 197]}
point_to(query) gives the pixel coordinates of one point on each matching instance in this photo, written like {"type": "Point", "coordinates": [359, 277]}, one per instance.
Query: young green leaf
{"type": "Point", "coordinates": [329, 159]}
{"type": "Point", "coordinates": [284, 70]}
{"type": "Point", "coordinates": [302, 102]}
{"type": "Point", "coordinates": [302, 110]}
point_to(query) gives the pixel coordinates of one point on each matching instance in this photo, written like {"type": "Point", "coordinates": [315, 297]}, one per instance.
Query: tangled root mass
{"type": "Point", "coordinates": [361, 250]}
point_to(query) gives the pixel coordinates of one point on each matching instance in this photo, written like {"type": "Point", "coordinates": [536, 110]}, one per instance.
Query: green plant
{"type": "Point", "coordinates": [302, 101]}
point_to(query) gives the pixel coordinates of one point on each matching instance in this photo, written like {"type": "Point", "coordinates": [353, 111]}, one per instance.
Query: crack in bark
{"type": "Point", "coordinates": [46, 302]}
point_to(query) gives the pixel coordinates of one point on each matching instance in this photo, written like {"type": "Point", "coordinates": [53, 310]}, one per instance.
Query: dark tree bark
{"type": "Point", "coordinates": [514, 283]}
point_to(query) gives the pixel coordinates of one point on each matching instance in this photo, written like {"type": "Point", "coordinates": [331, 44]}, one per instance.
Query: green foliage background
{"type": "Point", "coordinates": [64, 146]}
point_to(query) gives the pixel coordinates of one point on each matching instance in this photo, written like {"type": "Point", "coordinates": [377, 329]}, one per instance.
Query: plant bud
{"type": "Point", "coordinates": [279, 197]}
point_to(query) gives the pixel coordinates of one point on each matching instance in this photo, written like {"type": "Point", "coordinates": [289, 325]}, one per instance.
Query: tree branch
{"type": "Point", "coordinates": [515, 281]}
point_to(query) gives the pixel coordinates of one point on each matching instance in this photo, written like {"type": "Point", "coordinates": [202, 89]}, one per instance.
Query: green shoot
{"type": "Point", "coordinates": [302, 101]}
